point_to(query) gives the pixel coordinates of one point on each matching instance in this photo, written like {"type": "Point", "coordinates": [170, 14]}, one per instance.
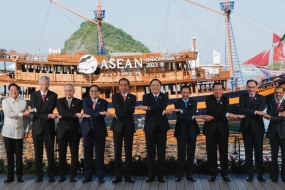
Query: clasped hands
{"type": "Point", "coordinates": [145, 108]}
{"type": "Point", "coordinates": [266, 116]}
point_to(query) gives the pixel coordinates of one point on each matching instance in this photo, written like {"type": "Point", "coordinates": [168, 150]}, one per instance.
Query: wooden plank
{"type": "Point", "coordinates": [108, 179]}
{"type": "Point", "coordinates": [249, 185]}
{"type": "Point", "coordinates": [40, 185]}
{"type": "Point", "coordinates": [120, 186]}
{"type": "Point", "coordinates": [214, 185]}
{"type": "Point", "coordinates": [171, 184]}
{"type": "Point", "coordinates": [184, 184]}
{"type": "Point", "coordinates": [138, 182]}
{"type": "Point", "coordinates": [29, 180]}
{"type": "Point", "coordinates": [56, 184]}
{"type": "Point", "coordinates": [197, 184]}
{"type": "Point", "coordinates": [18, 185]}
{"type": "Point", "coordinates": [203, 179]}
{"type": "Point", "coordinates": [111, 186]}
{"type": "Point", "coordinates": [69, 185]}
{"type": "Point", "coordinates": [145, 185]}
{"type": "Point", "coordinates": [154, 185]}
{"type": "Point", "coordinates": [279, 186]}
{"type": "Point", "coordinates": [238, 181]}
{"type": "Point", "coordinates": [85, 185]}
{"type": "Point", "coordinates": [223, 185]}
{"type": "Point", "coordinates": [232, 184]}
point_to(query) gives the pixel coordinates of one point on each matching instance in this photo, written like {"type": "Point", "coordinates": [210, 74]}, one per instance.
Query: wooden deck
{"type": "Point", "coordinates": [238, 182]}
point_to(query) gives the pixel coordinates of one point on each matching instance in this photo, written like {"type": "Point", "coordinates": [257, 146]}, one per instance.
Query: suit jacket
{"type": "Point", "coordinates": [124, 111]}
{"type": "Point", "coordinates": [248, 108]}
{"type": "Point", "coordinates": [97, 120]}
{"type": "Point", "coordinates": [277, 123]}
{"type": "Point", "coordinates": [68, 116]}
{"type": "Point", "coordinates": [184, 121]}
{"type": "Point", "coordinates": [41, 120]}
{"type": "Point", "coordinates": [154, 115]}
{"type": "Point", "coordinates": [218, 111]}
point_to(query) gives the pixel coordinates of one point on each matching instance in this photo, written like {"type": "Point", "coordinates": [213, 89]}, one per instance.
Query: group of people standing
{"type": "Point", "coordinates": [93, 130]}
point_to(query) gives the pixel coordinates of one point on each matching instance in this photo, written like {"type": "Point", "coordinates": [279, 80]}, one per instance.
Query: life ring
{"type": "Point", "coordinates": [14, 57]}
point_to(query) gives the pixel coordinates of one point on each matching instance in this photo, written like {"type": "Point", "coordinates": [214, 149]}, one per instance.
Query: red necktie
{"type": "Point", "coordinates": [124, 97]}
{"type": "Point", "coordinates": [277, 106]}
{"type": "Point", "coordinates": [43, 97]}
{"type": "Point", "coordinates": [94, 104]}
{"type": "Point", "coordinates": [251, 98]}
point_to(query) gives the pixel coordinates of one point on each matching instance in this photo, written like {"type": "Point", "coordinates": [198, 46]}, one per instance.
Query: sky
{"type": "Point", "coordinates": [155, 23]}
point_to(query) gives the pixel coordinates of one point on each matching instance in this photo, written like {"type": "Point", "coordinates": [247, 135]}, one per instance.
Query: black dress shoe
{"type": "Point", "coordinates": [19, 179]}
{"type": "Point", "coordinates": [178, 178]}
{"type": "Point", "coordinates": [226, 178]}
{"type": "Point", "coordinates": [51, 179]}
{"type": "Point", "coordinates": [150, 179]}
{"type": "Point", "coordinates": [261, 178]}
{"type": "Point", "coordinates": [8, 180]}
{"type": "Point", "coordinates": [212, 178]}
{"type": "Point", "coordinates": [72, 179]}
{"type": "Point", "coordinates": [86, 179]}
{"type": "Point", "coordinates": [249, 178]}
{"type": "Point", "coordinates": [39, 179]}
{"type": "Point", "coordinates": [101, 180]}
{"type": "Point", "coordinates": [190, 178]}
{"type": "Point", "coordinates": [274, 180]}
{"type": "Point", "coordinates": [161, 179]}
{"type": "Point", "coordinates": [61, 178]}
{"type": "Point", "coordinates": [129, 179]}
{"type": "Point", "coordinates": [117, 179]}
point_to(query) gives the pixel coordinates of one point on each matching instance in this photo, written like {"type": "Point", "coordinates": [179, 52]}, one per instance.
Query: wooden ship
{"type": "Point", "coordinates": [105, 70]}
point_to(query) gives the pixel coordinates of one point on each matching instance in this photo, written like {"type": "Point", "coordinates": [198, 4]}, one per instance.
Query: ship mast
{"type": "Point", "coordinates": [226, 8]}
{"type": "Point", "coordinates": [99, 15]}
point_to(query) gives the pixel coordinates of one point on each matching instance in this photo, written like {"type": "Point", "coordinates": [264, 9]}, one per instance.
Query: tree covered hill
{"type": "Point", "coordinates": [116, 40]}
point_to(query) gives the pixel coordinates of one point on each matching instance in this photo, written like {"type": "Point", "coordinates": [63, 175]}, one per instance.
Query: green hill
{"type": "Point", "coordinates": [116, 40]}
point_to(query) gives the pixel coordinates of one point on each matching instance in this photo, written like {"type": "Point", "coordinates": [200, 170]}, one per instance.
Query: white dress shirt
{"type": "Point", "coordinates": [15, 125]}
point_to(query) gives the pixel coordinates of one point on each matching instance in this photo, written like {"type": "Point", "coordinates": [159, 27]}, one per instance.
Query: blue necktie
{"type": "Point", "coordinates": [155, 97]}
{"type": "Point", "coordinates": [186, 103]}
{"type": "Point", "coordinates": [218, 101]}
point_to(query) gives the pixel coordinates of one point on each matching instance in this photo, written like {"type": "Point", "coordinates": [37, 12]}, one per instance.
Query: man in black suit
{"type": "Point", "coordinates": [252, 105]}
{"type": "Point", "coordinates": [43, 103]}
{"type": "Point", "coordinates": [216, 130]}
{"type": "Point", "coordinates": [155, 128]}
{"type": "Point", "coordinates": [69, 110]}
{"type": "Point", "coordinates": [186, 131]}
{"type": "Point", "coordinates": [123, 128]}
{"type": "Point", "coordinates": [276, 132]}
{"type": "Point", "coordinates": [94, 132]}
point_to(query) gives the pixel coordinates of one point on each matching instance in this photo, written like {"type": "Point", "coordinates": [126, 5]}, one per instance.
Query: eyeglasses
{"type": "Point", "coordinates": [93, 91]}
{"type": "Point", "coordinates": [251, 87]}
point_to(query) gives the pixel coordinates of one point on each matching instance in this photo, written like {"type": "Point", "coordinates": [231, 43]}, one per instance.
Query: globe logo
{"type": "Point", "coordinates": [87, 65]}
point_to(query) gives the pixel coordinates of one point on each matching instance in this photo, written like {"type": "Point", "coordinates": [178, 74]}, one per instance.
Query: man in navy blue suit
{"type": "Point", "coordinates": [186, 131]}
{"type": "Point", "coordinates": [94, 132]}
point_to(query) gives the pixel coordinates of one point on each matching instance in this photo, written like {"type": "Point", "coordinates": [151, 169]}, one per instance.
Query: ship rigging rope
{"type": "Point", "coordinates": [198, 29]}
{"type": "Point", "coordinates": [165, 26]}
{"type": "Point", "coordinates": [43, 30]}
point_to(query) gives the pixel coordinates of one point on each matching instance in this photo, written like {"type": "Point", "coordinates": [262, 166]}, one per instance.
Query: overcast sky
{"type": "Point", "coordinates": [153, 22]}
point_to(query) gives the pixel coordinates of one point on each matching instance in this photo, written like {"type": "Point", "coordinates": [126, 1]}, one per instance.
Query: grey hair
{"type": "Point", "coordinates": [44, 78]}
{"type": "Point", "coordinates": [69, 84]}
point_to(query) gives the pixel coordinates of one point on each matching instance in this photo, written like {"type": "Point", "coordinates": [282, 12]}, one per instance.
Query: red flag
{"type": "Point", "coordinates": [278, 53]}
{"type": "Point", "coordinates": [276, 38]}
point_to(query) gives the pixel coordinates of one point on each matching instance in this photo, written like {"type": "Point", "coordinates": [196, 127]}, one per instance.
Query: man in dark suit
{"type": "Point", "coordinates": [69, 110]}
{"type": "Point", "coordinates": [276, 132]}
{"type": "Point", "coordinates": [252, 105]}
{"type": "Point", "coordinates": [155, 128]}
{"type": "Point", "coordinates": [186, 131]}
{"type": "Point", "coordinates": [43, 103]}
{"type": "Point", "coordinates": [94, 132]}
{"type": "Point", "coordinates": [216, 130]}
{"type": "Point", "coordinates": [123, 128]}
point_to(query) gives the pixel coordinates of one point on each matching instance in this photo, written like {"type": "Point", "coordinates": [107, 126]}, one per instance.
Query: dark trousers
{"type": "Point", "coordinates": [274, 169]}
{"type": "Point", "coordinates": [211, 146]}
{"type": "Point", "coordinates": [73, 142]}
{"type": "Point", "coordinates": [253, 141]}
{"type": "Point", "coordinates": [38, 140]}
{"type": "Point", "coordinates": [119, 137]}
{"type": "Point", "coordinates": [156, 142]}
{"type": "Point", "coordinates": [14, 147]}
{"type": "Point", "coordinates": [90, 141]}
{"type": "Point", "coordinates": [183, 144]}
